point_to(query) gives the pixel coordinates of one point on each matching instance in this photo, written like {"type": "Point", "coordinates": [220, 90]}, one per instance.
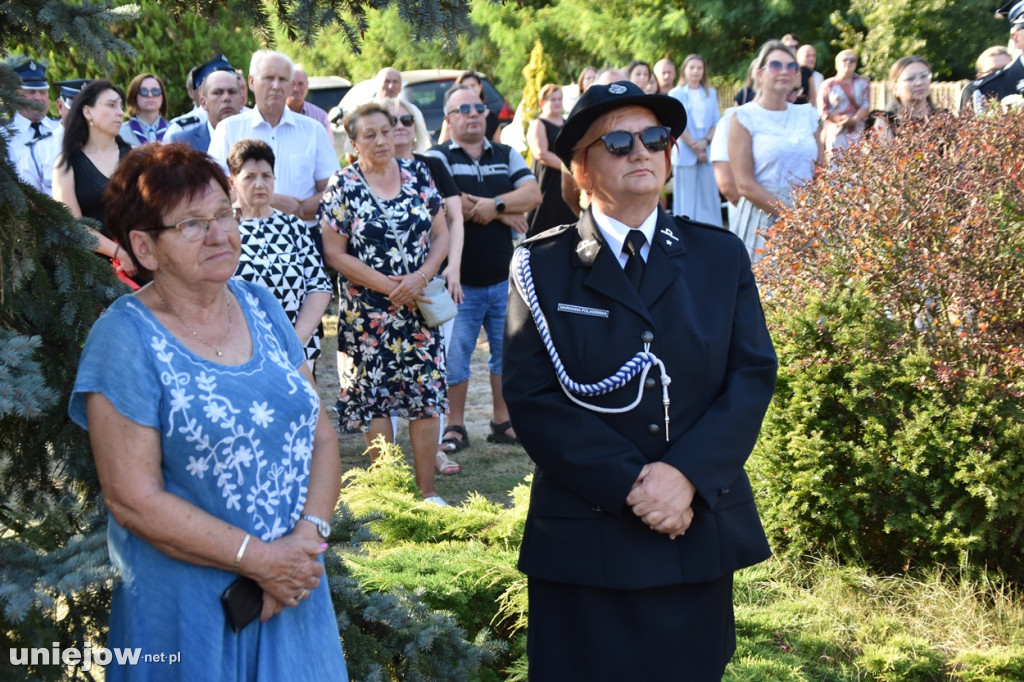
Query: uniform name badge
{"type": "Point", "coordinates": [581, 310]}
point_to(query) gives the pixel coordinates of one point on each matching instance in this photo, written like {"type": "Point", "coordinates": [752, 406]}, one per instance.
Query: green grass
{"type": "Point", "coordinates": [795, 619]}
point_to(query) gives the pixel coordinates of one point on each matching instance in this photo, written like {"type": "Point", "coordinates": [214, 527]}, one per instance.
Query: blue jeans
{"type": "Point", "coordinates": [481, 306]}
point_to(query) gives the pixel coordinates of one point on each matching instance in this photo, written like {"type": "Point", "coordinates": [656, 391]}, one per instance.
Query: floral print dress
{"type": "Point", "coordinates": [395, 362]}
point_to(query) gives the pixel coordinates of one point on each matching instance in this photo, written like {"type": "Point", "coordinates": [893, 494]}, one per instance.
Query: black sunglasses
{"type": "Point", "coordinates": [620, 142]}
{"type": "Point", "coordinates": [464, 109]}
{"type": "Point", "coordinates": [407, 120]}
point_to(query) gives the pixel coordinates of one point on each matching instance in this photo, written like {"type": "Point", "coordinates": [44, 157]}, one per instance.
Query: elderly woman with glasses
{"type": "Point", "coordinates": [845, 101]}
{"type": "Point", "coordinates": [216, 459]}
{"type": "Point", "coordinates": [277, 249]}
{"type": "Point", "coordinates": [385, 234]}
{"type": "Point", "coordinates": [774, 145]}
{"type": "Point", "coordinates": [910, 82]}
{"type": "Point", "coordinates": [640, 510]}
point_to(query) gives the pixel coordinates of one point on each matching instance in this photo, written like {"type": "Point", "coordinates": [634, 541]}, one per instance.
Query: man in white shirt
{"type": "Point", "coordinates": [36, 164]}
{"type": "Point", "coordinates": [30, 122]}
{"type": "Point", "coordinates": [304, 156]}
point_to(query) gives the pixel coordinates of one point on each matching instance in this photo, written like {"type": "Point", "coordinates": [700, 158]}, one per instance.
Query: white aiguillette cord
{"type": "Point", "coordinates": [640, 363]}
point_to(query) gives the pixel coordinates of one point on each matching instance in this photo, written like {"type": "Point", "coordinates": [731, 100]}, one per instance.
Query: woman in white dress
{"type": "Point", "coordinates": [695, 193]}
{"type": "Point", "coordinates": [773, 146]}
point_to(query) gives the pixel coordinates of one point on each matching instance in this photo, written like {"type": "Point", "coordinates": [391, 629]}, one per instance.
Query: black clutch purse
{"type": "Point", "coordinates": [242, 601]}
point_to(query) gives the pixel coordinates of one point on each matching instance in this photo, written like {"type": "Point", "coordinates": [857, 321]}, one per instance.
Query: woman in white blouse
{"type": "Point", "coordinates": [773, 146]}
{"type": "Point", "coordinates": [695, 193]}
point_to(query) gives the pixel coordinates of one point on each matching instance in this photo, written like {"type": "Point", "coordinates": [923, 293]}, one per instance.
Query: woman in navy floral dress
{"type": "Point", "coordinates": [385, 234]}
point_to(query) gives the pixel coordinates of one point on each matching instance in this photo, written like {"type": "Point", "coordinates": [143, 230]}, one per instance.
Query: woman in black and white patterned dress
{"type": "Point", "coordinates": [277, 249]}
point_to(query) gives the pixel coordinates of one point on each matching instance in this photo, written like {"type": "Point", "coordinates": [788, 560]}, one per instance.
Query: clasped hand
{"type": "Point", "coordinates": [288, 570]}
{"type": "Point", "coordinates": [662, 497]}
{"type": "Point", "coordinates": [408, 289]}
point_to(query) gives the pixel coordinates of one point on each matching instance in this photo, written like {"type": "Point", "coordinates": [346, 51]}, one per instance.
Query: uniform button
{"type": "Point", "coordinates": [649, 383]}
{"type": "Point", "coordinates": [653, 429]}
{"type": "Point", "coordinates": [647, 337]}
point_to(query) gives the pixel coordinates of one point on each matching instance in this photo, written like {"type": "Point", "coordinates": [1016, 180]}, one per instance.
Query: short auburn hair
{"type": "Point", "coordinates": [150, 181]}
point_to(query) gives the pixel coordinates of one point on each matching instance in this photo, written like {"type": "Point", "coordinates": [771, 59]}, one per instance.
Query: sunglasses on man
{"type": "Point", "coordinates": [620, 142]}
{"type": "Point", "coordinates": [464, 109]}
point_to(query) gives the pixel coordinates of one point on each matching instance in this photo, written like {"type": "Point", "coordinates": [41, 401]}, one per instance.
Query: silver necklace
{"type": "Point", "coordinates": [214, 346]}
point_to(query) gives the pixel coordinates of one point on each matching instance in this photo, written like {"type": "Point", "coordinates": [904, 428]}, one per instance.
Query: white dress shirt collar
{"type": "Point", "coordinates": [614, 232]}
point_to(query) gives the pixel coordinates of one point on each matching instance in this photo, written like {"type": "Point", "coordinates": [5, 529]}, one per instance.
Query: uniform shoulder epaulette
{"type": "Point", "coordinates": [185, 120]}
{"type": "Point", "coordinates": [683, 221]}
{"type": "Point", "coordinates": [987, 78]}
{"type": "Point", "coordinates": [546, 234]}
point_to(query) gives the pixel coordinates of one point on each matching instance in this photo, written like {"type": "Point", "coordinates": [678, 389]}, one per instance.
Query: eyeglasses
{"type": "Point", "coordinates": [620, 142]}
{"type": "Point", "coordinates": [195, 229]}
{"type": "Point", "coordinates": [849, 60]}
{"type": "Point", "coordinates": [775, 66]}
{"type": "Point", "coordinates": [150, 92]}
{"type": "Point", "coordinates": [407, 120]}
{"type": "Point", "coordinates": [923, 77]}
{"type": "Point", "coordinates": [464, 109]}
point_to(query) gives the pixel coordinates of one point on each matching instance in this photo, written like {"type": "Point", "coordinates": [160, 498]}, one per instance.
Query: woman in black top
{"type": "Point", "coordinates": [553, 210]}
{"type": "Point", "coordinates": [91, 151]}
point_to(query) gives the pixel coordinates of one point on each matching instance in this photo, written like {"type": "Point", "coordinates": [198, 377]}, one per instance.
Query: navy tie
{"type": "Point", "coordinates": [635, 241]}
{"type": "Point", "coordinates": [36, 125]}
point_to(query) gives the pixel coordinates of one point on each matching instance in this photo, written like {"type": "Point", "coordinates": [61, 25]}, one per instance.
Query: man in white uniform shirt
{"type": "Point", "coordinates": [305, 158]}
{"type": "Point", "coordinates": [30, 122]}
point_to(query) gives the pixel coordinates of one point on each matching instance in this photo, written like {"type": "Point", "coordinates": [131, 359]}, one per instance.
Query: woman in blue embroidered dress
{"type": "Point", "coordinates": [396, 362]}
{"type": "Point", "coordinates": [213, 452]}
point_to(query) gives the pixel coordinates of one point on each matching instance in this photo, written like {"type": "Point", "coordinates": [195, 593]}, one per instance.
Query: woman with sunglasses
{"type": "Point", "coordinates": [215, 456]}
{"type": "Point", "coordinates": [410, 140]}
{"type": "Point", "coordinates": [774, 145]}
{"type": "Point", "coordinates": [546, 166]}
{"type": "Point", "coordinates": [637, 370]}
{"type": "Point", "coordinates": [385, 234]}
{"type": "Point", "coordinates": [694, 192]}
{"type": "Point", "coordinates": [910, 80]}
{"type": "Point", "coordinates": [147, 106]}
{"type": "Point", "coordinates": [845, 104]}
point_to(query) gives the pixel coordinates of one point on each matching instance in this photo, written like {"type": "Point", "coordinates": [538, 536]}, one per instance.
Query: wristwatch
{"type": "Point", "coordinates": [499, 205]}
{"type": "Point", "coordinates": [322, 526]}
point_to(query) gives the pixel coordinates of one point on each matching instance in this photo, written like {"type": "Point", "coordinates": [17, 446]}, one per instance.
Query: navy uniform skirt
{"type": "Point", "coordinates": [678, 633]}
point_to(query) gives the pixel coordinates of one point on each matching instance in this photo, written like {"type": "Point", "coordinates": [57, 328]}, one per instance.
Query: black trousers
{"type": "Point", "coordinates": [678, 633]}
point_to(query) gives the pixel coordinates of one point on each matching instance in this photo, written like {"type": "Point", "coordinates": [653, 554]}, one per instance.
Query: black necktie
{"type": "Point", "coordinates": [36, 126]}
{"type": "Point", "coordinates": [635, 241]}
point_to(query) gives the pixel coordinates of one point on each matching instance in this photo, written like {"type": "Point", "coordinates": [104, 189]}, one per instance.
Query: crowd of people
{"type": "Point", "coordinates": [225, 222]}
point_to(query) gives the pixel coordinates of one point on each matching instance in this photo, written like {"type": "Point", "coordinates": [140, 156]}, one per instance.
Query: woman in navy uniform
{"type": "Point", "coordinates": [640, 509]}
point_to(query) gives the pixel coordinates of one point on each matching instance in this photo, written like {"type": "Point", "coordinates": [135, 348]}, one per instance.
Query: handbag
{"type": "Point", "coordinates": [441, 307]}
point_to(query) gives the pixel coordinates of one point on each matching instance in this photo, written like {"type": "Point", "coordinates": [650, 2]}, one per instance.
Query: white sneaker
{"type": "Point", "coordinates": [436, 499]}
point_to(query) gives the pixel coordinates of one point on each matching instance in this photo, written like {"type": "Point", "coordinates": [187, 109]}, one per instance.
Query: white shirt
{"type": "Point", "coordinates": [614, 233]}
{"type": "Point", "coordinates": [19, 132]}
{"type": "Point", "coordinates": [719, 148]}
{"type": "Point", "coordinates": [35, 166]}
{"type": "Point", "coordinates": [303, 153]}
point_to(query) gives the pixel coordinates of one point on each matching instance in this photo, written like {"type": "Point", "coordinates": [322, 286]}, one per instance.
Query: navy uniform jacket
{"type": "Point", "coordinates": [196, 136]}
{"type": "Point", "coordinates": [1003, 83]}
{"type": "Point", "coordinates": [699, 302]}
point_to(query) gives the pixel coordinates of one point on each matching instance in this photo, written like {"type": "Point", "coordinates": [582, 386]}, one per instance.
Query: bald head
{"type": "Point", "coordinates": [807, 56]}
{"type": "Point", "coordinates": [389, 82]}
{"type": "Point", "coordinates": [609, 76]}
{"type": "Point", "coordinates": [665, 73]}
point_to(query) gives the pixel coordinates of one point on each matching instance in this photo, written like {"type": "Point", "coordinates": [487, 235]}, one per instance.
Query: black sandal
{"type": "Point", "coordinates": [498, 434]}
{"type": "Point", "coordinates": [452, 444]}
